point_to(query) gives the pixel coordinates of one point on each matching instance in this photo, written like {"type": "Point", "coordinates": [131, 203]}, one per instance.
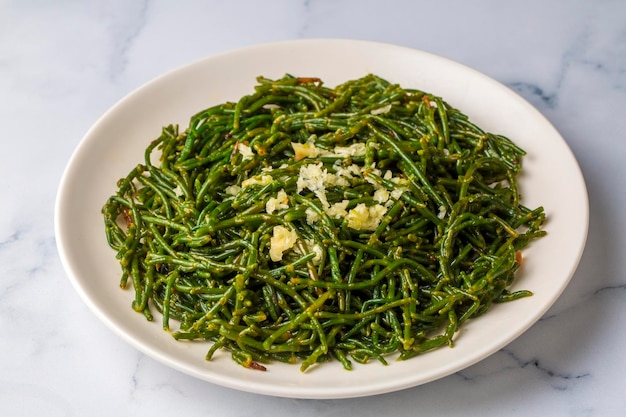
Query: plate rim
{"type": "Point", "coordinates": [265, 390]}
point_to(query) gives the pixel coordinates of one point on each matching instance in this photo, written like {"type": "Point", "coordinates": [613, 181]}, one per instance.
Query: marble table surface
{"type": "Point", "coordinates": [64, 63]}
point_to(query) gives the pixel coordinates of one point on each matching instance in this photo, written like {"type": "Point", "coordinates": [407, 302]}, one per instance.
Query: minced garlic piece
{"type": "Point", "coordinates": [312, 176]}
{"type": "Point", "coordinates": [304, 150]}
{"type": "Point", "coordinates": [356, 149]}
{"type": "Point", "coordinates": [232, 189]}
{"type": "Point", "coordinates": [350, 170]}
{"type": "Point", "coordinates": [400, 181]}
{"type": "Point", "coordinates": [310, 246]}
{"type": "Point", "coordinates": [372, 170]}
{"type": "Point", "coordinates": [282, 240]}
{"type": "Point", "coordinates": [317, 249]}
{"type": "Point", "coordinates": [396, 193]}
{"type": "Point", "coordinates": [262, 180]}
{"type": "Point", "coordinates": [312, 216]}
{"type": "Point", "coordinates": [245, 151]}
{"type": "Point", "coordinates": [338, 210]}
{"type": "Point", "coordinates": [333, 179]}
{"type": "Point", "coordinates": [363, 217]}
{"type": "Point", "coordinates": [381, 195]}
{"type": "Point", "coordinates": [280, 202]}
{"type": "Point", "coordinates": [381, 110]}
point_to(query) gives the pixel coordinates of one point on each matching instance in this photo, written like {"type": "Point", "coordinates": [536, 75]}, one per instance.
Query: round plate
{"type": "Point", "coordinates": [116, 143]}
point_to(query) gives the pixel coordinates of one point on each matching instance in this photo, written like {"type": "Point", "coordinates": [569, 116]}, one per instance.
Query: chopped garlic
{"type": "Point", "coordinates": [363, 217]}
{"type": "Point", "coordinates": [350, 171]}
{"type": "Point", "coordinates": [381, 110]}
{"type": "Point", "coordinates": [257, 179]}
{"type": "Point", "coordinates": [332, 179]}
{"type": "Point", "coordinates": [312, 176]}
{"type": "Point", "coordinates": [356, 149]}
{"type": "Point", "coordinates": [397, 192]}
{"type": "Point", "coordinates": [375, 170]}
{"type": "Point", "coordinates": [442, 212]}
{"type": "Point", "coordinates": [338, 210]}
{"type": "Point", "coordinates": [245, 151]}
{"type": "Point", "coordinates": [232, 189]}
{"type": "Point", "coordinates": [310, 246]}
{"type": "Point", "coordinates": [282, 240]}
{"type": "Point", "coordinates": [381, 195]}
{"type": "Point", "coordinates": [317, 249]}
{"type": "Point", "coordinates": [304, 150]}
{"type": "Point", "coordinates": [400, 181]}
{"type": "Point", "coordinates": [312, 216]}
{"type": "Point", "coordinates": [280, 202]}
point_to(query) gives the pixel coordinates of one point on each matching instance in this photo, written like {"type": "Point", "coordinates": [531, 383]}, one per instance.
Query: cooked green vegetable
{"type": "Point", "coordinates": [309, 223]}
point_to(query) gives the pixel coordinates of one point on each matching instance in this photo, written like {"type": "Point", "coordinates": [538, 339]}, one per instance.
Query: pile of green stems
{"type": "Point", "coordinates": [444, 252]}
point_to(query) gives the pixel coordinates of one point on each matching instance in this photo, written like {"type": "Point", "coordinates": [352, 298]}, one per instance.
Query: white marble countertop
{"type": "Point", "coordinates": [63, 63]}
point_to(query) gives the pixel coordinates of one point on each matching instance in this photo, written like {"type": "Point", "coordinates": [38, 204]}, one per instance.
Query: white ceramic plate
{"type": "Point", "coordinates": [116, 143]}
